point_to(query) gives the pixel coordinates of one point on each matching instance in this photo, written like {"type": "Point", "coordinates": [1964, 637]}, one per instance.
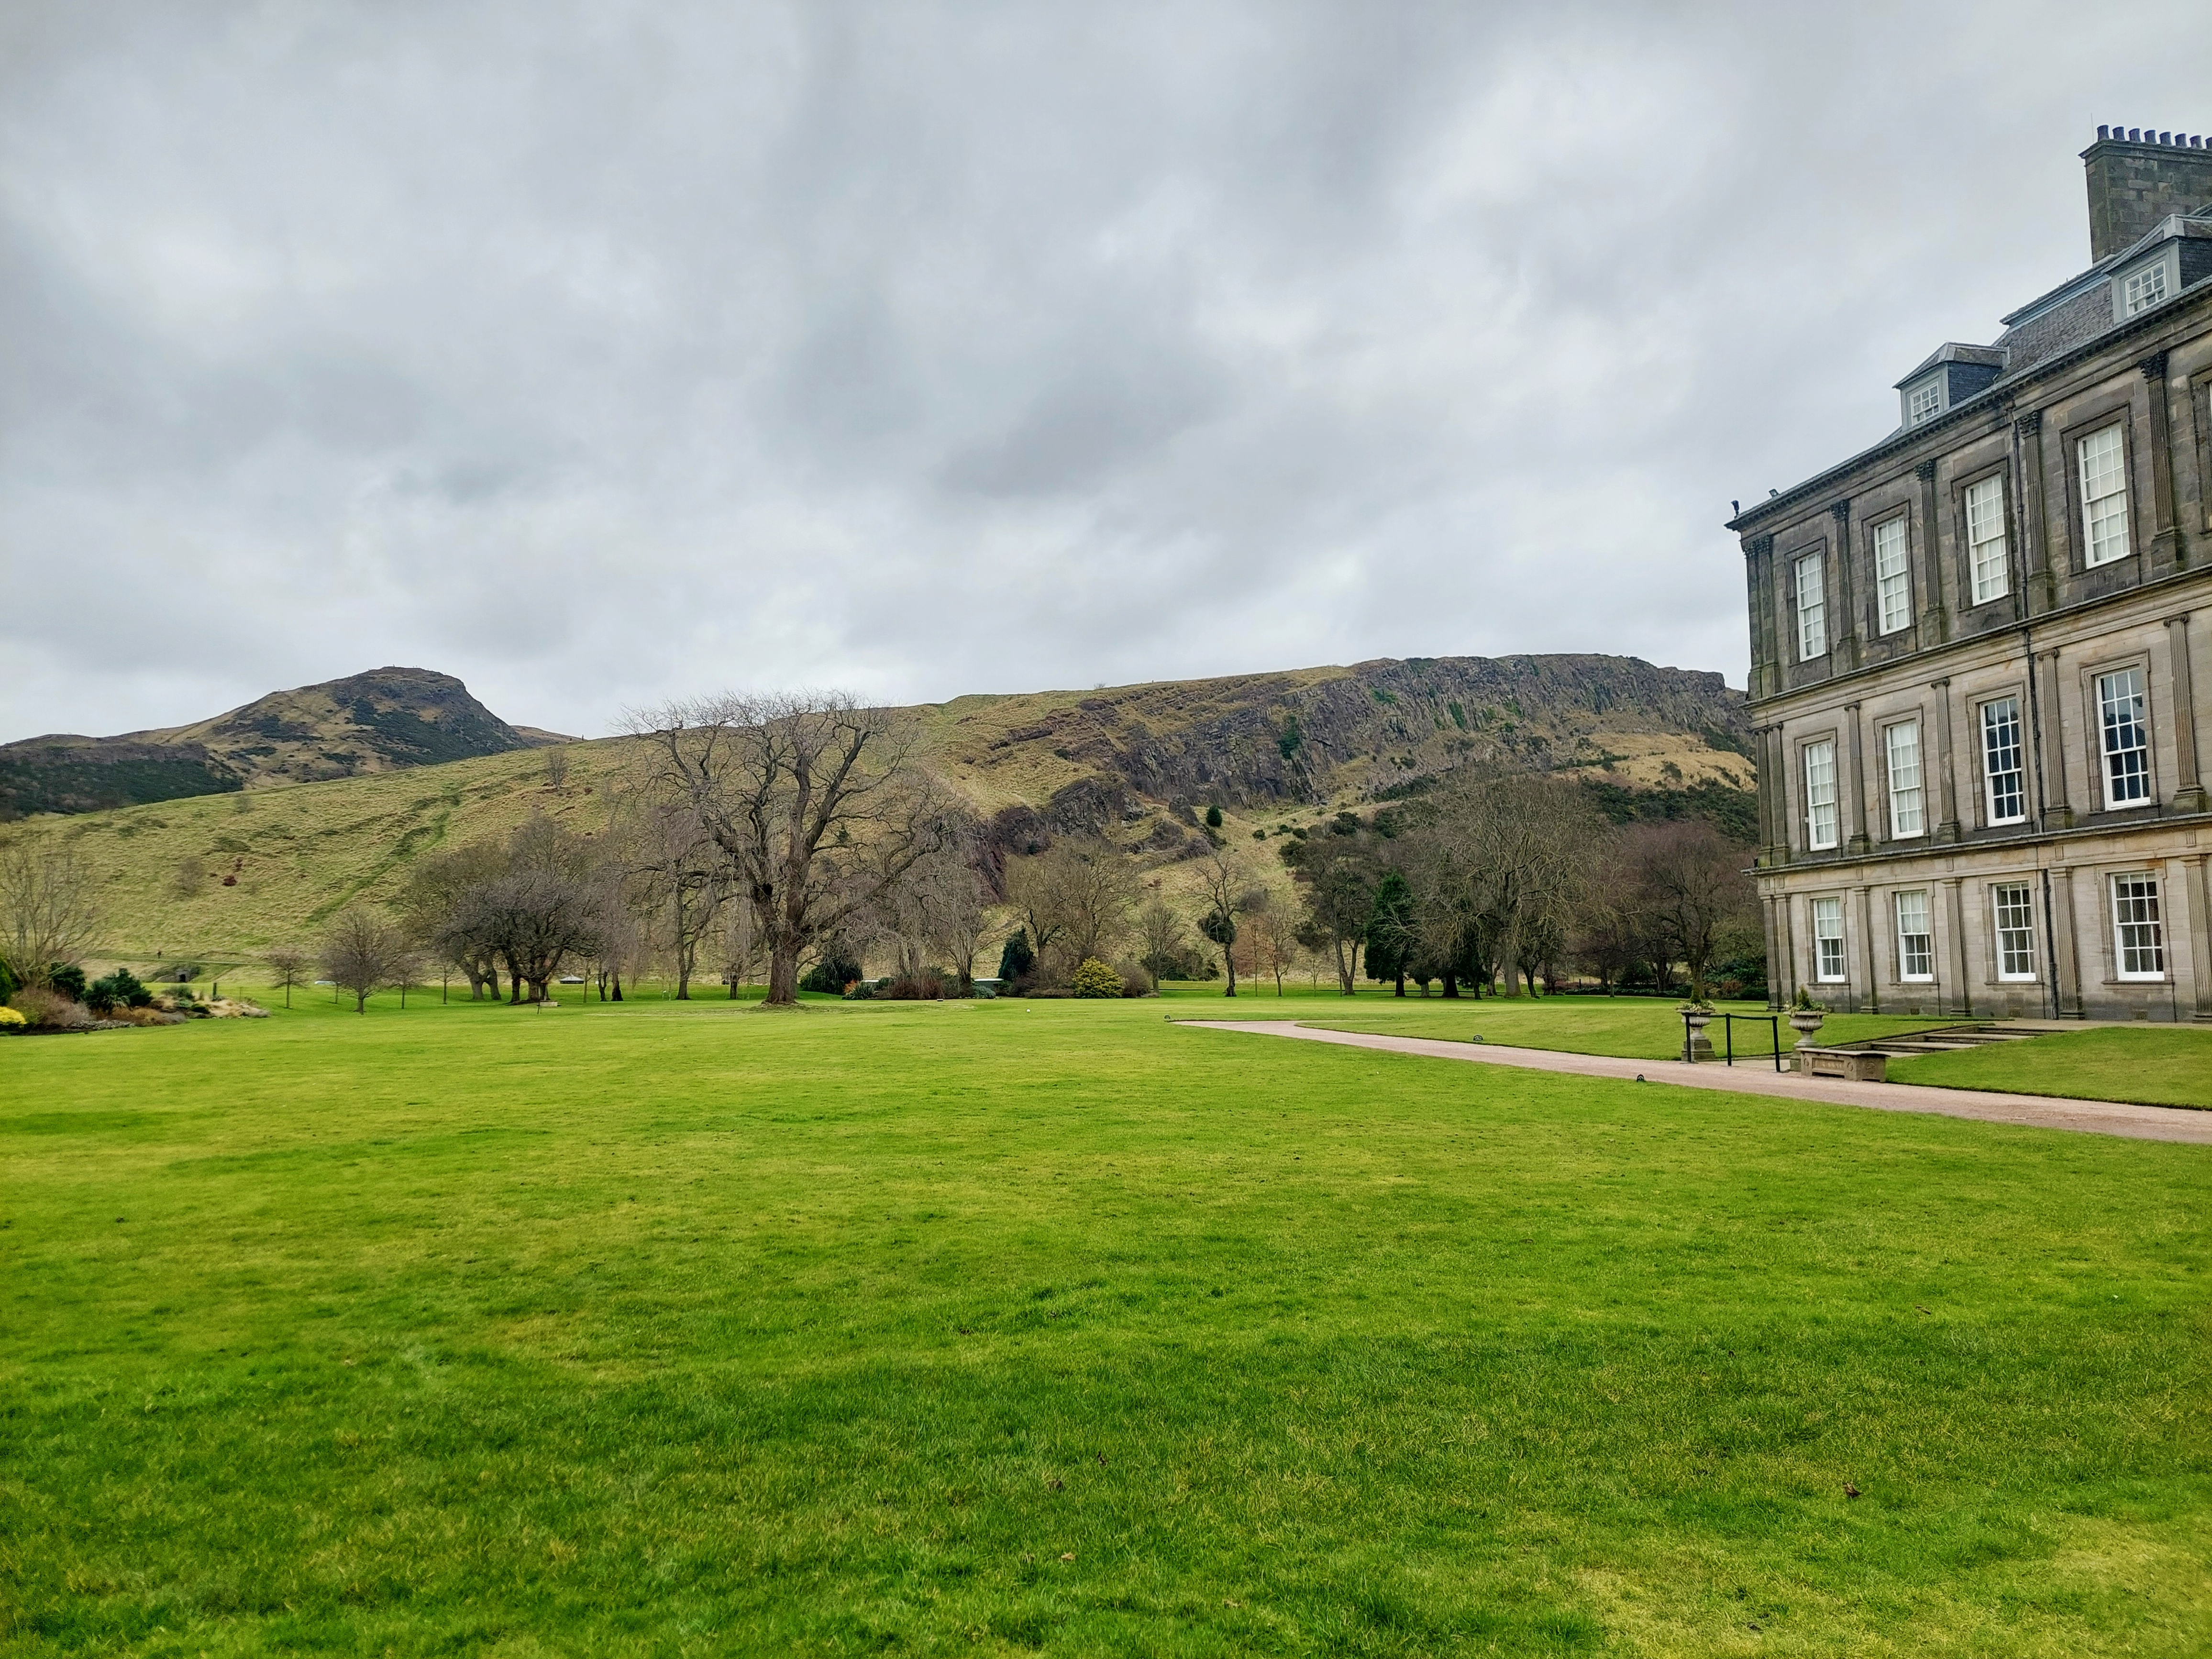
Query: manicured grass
{"type": "Point", "coordinates": [1637, 1028]}
{"type": "Point", "coordinates": [1026, 1326]}
{"type": "Point", "coordinates": [2156, 1064]}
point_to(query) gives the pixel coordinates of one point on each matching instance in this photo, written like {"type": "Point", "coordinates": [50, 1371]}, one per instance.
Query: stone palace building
{"type": "Point", "coordinates": [1982, 651]}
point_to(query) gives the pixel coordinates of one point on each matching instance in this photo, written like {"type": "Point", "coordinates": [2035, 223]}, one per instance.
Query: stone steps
{"type": "Point", "coordinates": [1942, 1040]}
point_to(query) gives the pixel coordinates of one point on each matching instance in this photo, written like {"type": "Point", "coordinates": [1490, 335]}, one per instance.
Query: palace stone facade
{"type": "Point", "coordinates": [1982, 651]}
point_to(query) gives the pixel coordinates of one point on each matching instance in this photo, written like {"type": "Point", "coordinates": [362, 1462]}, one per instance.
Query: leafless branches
{"type": "Point", "coordinates": [49, 909]}
{"type": "Point", "coordinates": [815, 804]}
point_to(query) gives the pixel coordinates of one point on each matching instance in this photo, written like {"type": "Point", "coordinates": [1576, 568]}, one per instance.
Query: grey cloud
{"type": "Point", "coordinates": [601, 352]}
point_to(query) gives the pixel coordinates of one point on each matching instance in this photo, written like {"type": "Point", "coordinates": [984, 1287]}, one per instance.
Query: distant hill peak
{"type": "Point", "coordinates": [380, 720]}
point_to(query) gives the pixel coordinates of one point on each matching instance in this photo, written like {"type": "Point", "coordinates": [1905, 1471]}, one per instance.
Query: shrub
{"type": "Point", "coordinates": [1016, 962]}
{"type": "Point", "coordinates": [928, 985]}
{"type": "Point", "coordinates": [119, 989]}
{"type": "Point", "coordinates": [12, 1020]}
{"type": "Point", "coordinates": [833, 974]}
{"type": "Point", "coordinates": [1135, 981]}
{"type": "Point", "coordinates": [51, 1010]}
{"type": "Point", "coordinates": [67, 978]}
{"type": "Point", "coordinates": [1095, 979]}
{"type": "Point", "coordinates": [9, 984]}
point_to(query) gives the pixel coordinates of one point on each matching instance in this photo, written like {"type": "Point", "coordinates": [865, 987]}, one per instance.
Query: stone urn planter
{"type": "Point", "coordinates": [1806, 1021]}
{"type": "Point", "coordinates": [1696, 1045]}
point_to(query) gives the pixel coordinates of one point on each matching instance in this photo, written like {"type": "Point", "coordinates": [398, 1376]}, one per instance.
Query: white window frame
{"type": "Point", "coordinates": [1812, 604]}
{"type": "Point", "coordinates": [1828, 942]}
{"type": "Point", "coordinates": [1823, 809]}
{"type": "Point", "coordinates": [1995, 744]}
{"type": "Point", "coordinates": [1893, 575]}
{"type": "Point", "coordinates": [2143, 289]}
{"type": "Point", "coordinates": [2138, 928]}
{"type": "Point", "coordinates": [2123, 765]}
{"type": "Point", "coordinates": [2102, 458]}
{"type": "Point", "coordinates": [1988, 561]}
{"type": "Point", "coordinates": [1907, 776]}
{"type": "Point", "coordinates": [1925, 402]}
{"type": "Point", "coordinates": [2012, 919]}
{"type": "Point", "coordinates": [1915, 966]}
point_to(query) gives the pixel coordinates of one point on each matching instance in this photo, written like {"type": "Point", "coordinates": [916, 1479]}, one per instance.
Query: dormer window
{"type": "Point", "coordinates": [2151, 279]}
{"type": "Point", "coordinates": [2143, 289]}
{"type": "Point", "coordinates": [1924, 402]}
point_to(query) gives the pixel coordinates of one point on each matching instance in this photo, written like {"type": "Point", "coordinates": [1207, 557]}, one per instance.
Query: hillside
{"type": "Point", "coordinates": [223, 876]}
{"type": "Point", "coordinates": [377, 721]}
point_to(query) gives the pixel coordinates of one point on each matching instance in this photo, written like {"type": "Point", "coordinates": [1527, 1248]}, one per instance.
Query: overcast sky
{"type": "Point", "coordinates": [602, 353]}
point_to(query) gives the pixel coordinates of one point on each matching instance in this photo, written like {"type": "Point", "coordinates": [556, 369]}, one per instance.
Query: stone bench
{"type": "Point", "coordinates": [1860, 1065]}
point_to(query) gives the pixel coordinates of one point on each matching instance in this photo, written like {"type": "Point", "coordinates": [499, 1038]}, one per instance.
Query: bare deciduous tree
{"type": "Point", "coordinates": [1225, 887]}
{"type": "Point", "coordinates": [1268, 944]}
{"type": "Point", "coordinates": [1695, 892]}
{"type": "Point", "coordinates": [432, 898]}
{"type": "Point", "coordinates": [817, 805]}
{"type": "Point", "coordinates": [1074, 900]}
{"type": "Point", "coordinates": [363, 953]}
{"type": "Point", "coordinates": [1336, 881]}
{"type": "Point", "coordinates": [1165, 940]}
{"type": "Point", "coordinates": [49, 909]}
{"type": "Point", "coordinates": [1504, 862]}
{"type": "Point", "coordinates": [740, 946]}
{"type": "Point", "coordinates": [556, 768]}
{"type": "Point", "coordinates": [685, 883]}
{"type": "Point", "coordinates": [288, 965]}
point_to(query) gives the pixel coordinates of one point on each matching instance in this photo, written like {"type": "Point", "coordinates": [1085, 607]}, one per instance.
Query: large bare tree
{"type": "Point", "coordinates": [435, 887]}
{"type": "Point", "coordinates": [1501, 865]}
{"type": "Point", "coordinates": [49, 909]}
{"type": "Point", "coordinates": [1074, 898]}
{"type": "Point", "coordinates": [817, 805]}
{"type": "Point", "coordinates": [1695, 890]}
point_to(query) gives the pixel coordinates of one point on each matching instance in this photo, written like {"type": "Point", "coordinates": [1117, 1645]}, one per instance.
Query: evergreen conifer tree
{"type": "Point", "coordinates": [1390, 930]}
{"type": "Point", "coordinates": [1016, 962]}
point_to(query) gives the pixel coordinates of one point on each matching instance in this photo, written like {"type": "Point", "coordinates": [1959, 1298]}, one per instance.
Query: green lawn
{"type": "Point", "coordinates": [1638, 1028]}
{"type": "Point", "coordinates": [2156, 1064]}
{"type": "Point", "coordinates": [1021, 1325]}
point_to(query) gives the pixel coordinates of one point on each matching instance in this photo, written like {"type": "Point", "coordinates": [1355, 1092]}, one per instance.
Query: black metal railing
{"type": "Point", "coordinates": [1773, 1022]}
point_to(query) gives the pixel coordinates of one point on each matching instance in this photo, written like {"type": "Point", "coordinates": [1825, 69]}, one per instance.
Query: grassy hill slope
{"type": "Point", "coordinates": [222, 876]}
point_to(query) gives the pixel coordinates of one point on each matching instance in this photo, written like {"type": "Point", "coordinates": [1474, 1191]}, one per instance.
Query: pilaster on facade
{"type": "Point", "coordinates": [1946, 827]}
{"type": "Point", "coordinates": [1843, 648]}
{"type": "Point", "coordinates": [2197, 878]}
{"type": "Point", "coordinates": [2164, 551]}
{"type": "Point", "coordinates": [2039, 591]}
{"type": "Point", "coordinates": [2189, 785]}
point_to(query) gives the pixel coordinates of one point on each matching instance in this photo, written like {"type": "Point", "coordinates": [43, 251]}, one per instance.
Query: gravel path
{"type": "Point", "coordinates": [2101, 1117]}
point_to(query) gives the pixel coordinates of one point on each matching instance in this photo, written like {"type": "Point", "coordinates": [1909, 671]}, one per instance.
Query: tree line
{"type": "Point", "coordinates": [1513, 879]}
{"type": "Point", "coordinates": [792, 839]}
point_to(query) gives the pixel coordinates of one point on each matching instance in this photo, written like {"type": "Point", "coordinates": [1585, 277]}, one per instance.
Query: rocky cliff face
{"type": "Point", "coordinates": [372, 722]}
{"type": "Point", "coordinates": [1376, 730]}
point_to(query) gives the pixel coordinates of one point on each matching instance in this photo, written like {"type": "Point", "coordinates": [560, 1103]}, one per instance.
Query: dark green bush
{"type": "Point", "coordinates": [119, 989]}
{"type": "Point", "coordinates": [67, 980]}
{"type": "Point", "coordinates": [832, 974]}
{"type": "Point", "coordinates": [1016, 962]}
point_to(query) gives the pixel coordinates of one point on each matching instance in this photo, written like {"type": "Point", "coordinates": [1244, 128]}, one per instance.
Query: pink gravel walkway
{"type": "Point", "coordinates": [2101, 1117]}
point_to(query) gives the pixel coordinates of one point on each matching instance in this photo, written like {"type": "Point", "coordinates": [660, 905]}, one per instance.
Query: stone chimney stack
{"type": "Point", "coordinates": [2136, 177]}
